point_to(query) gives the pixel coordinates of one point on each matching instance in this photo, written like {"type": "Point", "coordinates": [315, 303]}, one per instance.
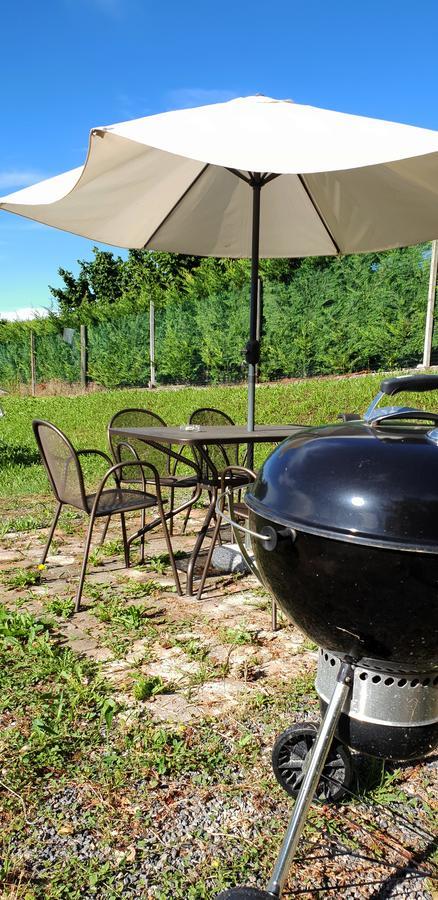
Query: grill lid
{"type": "Point", "coordinates": [371, 484]}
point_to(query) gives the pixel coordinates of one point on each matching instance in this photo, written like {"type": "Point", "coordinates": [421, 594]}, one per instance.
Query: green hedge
{"type": "Point", "coordinates": [327, 316]}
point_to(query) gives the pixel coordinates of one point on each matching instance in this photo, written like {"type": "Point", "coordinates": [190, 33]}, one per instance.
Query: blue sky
{"type": "Point", "coordinates": [69, 65]}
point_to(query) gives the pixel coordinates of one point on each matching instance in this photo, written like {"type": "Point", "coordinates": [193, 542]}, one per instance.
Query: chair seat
{"type": "Point", "coordinates": [117, 500]}
{"type": "Point", "coordinates": [231, 481]}
{"type": "Point", "coordinates": [179, 481]}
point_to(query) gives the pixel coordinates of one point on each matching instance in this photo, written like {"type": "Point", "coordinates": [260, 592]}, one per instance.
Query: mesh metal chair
{"type": "Point", "coordinates": [164, 460]}
{"type": "Point", "coordinates": [213, 460]}
{"type": "Point", "coordinates": [219, 455]}
{"type": "Point", "coordinates": [65, 475]}
{"type": "Point", "coordinates": [236, 512]}
{"type": "Point", "coordinates": [239, 510]}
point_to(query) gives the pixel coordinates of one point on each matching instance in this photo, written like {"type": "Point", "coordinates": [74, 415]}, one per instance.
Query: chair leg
{"type": "Point", "coordinates": [84, 563]}
{"type": "Point", "coordinates": [199, 543]}
{"type": "Point", "coordinates": [125, 540]}
{"type": "Point", "coordinates": [274, 620]}
{"type": "Point", "coordinates": [51, 533]}
{"type": "Point", "coordinates": [163, 518]}
{"type": "Point", "coordinates": [104, 532]}
{"type": "Point", "coordinates": [142, 541]}
{"type": "Point", "coordinates": [214, 538]}
{"type": "Point", "coordinates": [171, 503]}
{"type": "Point", "coordinates": [187, 515]}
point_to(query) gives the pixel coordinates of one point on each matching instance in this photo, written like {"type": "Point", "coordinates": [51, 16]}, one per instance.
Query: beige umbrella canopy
{"type": "Point", "coordinates": [321, 183]}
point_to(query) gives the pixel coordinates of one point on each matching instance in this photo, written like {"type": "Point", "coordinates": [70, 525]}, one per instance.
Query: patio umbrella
{"type": "Point", "coordinates": [253, 177]}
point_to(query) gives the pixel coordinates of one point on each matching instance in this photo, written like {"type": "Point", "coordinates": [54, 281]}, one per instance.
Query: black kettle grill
{"type": "Point", "coordinates": [346, 518]}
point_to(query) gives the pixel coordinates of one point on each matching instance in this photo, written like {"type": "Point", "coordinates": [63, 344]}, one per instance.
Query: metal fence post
{"type": "Point", "coordinates": [428, 333]}
{"type": "Point", "coordinates": [32, 364]}
{"type": "Point", "coordinates": [152, 381]}
{"type": "Point", "coordinates": [84, 356]}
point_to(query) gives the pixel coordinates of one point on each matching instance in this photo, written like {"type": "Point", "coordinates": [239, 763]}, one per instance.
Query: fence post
{"type": "Point", "coordinates": [428, 333]}
{"type": "Point", "coordinates": [84, 356]}
{"type": "Point", "coordinates": [32, 364]}
{"type": "Point", "coordinates": [152, 381]}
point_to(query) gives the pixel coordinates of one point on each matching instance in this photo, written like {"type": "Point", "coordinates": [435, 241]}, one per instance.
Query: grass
{"type": "Point", "coordinates": [85, 418]}
{"type": "Point", "coordinates": [76, 766]}
{"type": "Point", "coordinates": [61, 731]}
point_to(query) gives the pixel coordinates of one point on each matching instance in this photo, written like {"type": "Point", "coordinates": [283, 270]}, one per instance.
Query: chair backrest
{"type": "Point", "coordinates": [220, 455]}
{"type": "Point", "coordinates": [61, 464]}
{"type": "Point", "coordinates": [120, 446]}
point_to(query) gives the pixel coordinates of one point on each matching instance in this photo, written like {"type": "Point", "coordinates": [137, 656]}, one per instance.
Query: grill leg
{"type": "Point", "coordinates": [316, 764]}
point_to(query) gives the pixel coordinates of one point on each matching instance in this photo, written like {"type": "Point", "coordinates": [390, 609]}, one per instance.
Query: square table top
{"type": "Point", "coordinates": [210, 434]}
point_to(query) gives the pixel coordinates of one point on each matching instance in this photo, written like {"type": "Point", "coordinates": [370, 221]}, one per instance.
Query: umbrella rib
{"type": "Point", "coordinates": [175, 205]}
{"type": "Point", "coordinates": [239, 175]}
{"type": "Point", "coordinates": [318, 212]}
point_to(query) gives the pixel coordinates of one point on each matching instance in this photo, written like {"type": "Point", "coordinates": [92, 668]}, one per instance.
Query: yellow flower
{"type": "Point", "coordinates": [41, 566]}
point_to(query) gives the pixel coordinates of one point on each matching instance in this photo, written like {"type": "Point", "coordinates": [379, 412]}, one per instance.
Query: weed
{"type": "Point", "coordinates": [95, 556]}
{"type": "Point", "coordinates": [193, 648]}
{"type": "Point", "coordinates": [115, 612]}
{"type": "Point", "coordinates": [63, 607]}
{"type": "Point", "coordinates": [111, 548]}
{"type": "Point", "coordinates": [25, 577]}
{"type": "Point", "coordinates": [147, 686]}
{"type": "Point", "coordinates": [158, 563]}
{"type": "Point", "coordinates": [237, 635]}
{"type": "Point", "coordinates": [309, 645]}
{"type": "Point", "coordinates": [24, 523]}
{"type": "Point", "coordinates": [140, 588]}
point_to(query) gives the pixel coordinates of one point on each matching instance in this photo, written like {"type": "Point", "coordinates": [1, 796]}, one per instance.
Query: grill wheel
{"type": "Point", "coordinates": [289, 755]}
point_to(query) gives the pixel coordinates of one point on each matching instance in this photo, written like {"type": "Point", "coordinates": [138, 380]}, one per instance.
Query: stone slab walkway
{"type": "Point", "coordinates": [193, 658]}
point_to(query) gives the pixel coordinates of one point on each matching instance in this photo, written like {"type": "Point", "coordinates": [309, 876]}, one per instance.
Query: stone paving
{"type": "Point", "coordinates": [203, 657]}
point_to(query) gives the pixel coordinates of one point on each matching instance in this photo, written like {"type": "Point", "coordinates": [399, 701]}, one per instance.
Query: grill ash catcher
{"type": "Point", "coordinates": [344, 525]}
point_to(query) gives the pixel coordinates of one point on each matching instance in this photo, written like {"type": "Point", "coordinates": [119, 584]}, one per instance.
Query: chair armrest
{"type": "Point", "coordinates": [113, 473]}
{"type": "Point", "coordinates": [96, 453]}
{"type": "Point", "coordinates": [236, 470]}
{"type": "Point", "coordinates": [174, 455]}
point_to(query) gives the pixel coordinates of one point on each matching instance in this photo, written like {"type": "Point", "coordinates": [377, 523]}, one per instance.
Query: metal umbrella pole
{"type": "Point", "coordinates": [256, 181]}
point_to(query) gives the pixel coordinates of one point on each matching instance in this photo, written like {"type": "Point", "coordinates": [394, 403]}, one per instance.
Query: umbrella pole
{"type": "Point", "coordinates": [252, 351]}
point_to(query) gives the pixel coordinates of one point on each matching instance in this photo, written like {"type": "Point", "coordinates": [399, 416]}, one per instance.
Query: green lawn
{"type": "Point", "coordinates": [85, 418]}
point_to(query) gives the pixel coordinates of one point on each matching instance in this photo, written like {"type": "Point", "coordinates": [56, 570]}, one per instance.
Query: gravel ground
{"type": "Point", "coordinates": [365, 851]}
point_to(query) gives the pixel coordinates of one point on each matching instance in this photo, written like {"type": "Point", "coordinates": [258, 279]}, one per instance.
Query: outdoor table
{"type": "Point", "coordinates": [203, 436]}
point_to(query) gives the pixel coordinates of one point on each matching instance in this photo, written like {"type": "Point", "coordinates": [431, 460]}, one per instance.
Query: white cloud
{"type": "Point", "coordinates": [182, 98]}
{"type": "Point", "coordinates": [25, 313]}
{"type": "Point", "coordinates": [19, 178]}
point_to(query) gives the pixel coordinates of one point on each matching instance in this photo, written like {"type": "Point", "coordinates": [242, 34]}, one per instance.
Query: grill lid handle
{"type": "Point", "coordinates": [393, 386]}
{"type": "Point", "coordinates": [404, 414]}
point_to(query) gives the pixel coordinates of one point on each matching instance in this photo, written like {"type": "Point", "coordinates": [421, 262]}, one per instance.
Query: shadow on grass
{"type": "Point", "coordinates": [18, 455]}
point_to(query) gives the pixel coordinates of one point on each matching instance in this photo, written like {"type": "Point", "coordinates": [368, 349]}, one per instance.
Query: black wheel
{"type": "Point", "coordinates": [244, 893]}
{"type": "Point", "coordinates": [291, 750]}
